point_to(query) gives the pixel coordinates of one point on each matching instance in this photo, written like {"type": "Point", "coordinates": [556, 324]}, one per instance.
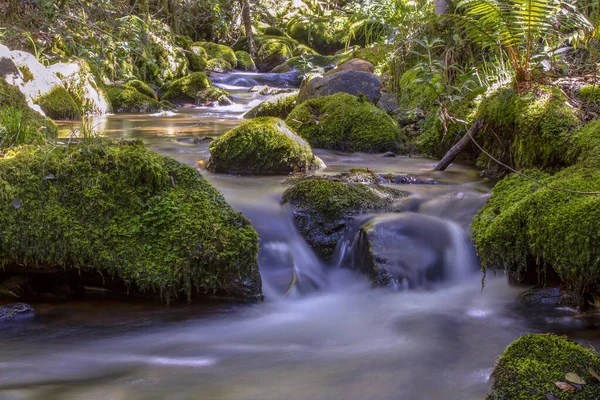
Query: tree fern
{"type": "Point", "coordinates": [521, 27]}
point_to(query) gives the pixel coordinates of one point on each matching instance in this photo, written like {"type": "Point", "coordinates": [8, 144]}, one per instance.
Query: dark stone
{"type": "Point", "coordinates": [389, 154]}
{"type": "Point", "coordinates": [15, 310]}
{"type": "Point", "coordinates": [352, 82]}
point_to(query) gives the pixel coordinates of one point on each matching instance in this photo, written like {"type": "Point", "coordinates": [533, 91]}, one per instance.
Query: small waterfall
{"type": "Point", "coordinates": [407, 250]}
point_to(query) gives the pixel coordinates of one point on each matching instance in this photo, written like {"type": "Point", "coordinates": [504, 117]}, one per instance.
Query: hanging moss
{"type": "Point", "coordinates": [279, 106]}
{"type": "Point", "coordinates": [346, 122]}
{"type": "Point", "coordinates": [185, 89]}
{"type": "Point", "coordinates": [530, 366]}
{"type": "Point", "coordinates": [532, 230]}
{"type": "Point", "coordinates": [59, 104]}
{"type": "Point", "coordinates": [24, 124]}
{"type": "Point", "coordinates": [261, 146]}
{"type": "Point", "coordinates": [125, 99]}
{"type": "Point", "coordinates": [214, 50]}
{"type": "Point", "coordinates": [244, 61]}
{"type": "Point", "coordinates": [121, 210]}
{"type": "Point", "coordinates": [143, 88]}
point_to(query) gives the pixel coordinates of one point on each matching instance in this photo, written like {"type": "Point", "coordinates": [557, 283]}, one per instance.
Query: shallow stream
{"type": "Point", "coordinates": [335, 338]}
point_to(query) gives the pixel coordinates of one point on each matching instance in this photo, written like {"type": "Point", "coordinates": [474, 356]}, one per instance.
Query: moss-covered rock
{"type": "Point", "coordinates": [197, 61]}
{"type": "Point", "coordinates": [219, 51]}
{"type": "Point", "coordinates": [20, 124]}
{"type": "Point", "coordinates": [357, 83]}
{"type": "Point", "coordinates": [260, 40]}
{"type": "Point", "coordinates": [213, 95]}
{"type": "Point", "coordinates": [274, 31]}
{"type": "Point", "coordinates": [526, 130]}
{"type": "Point", "coordinates": [119, 210]}
{"type": "Point", "coordinates": [279, 106]}
{"type": "Point", "coordinates": [244, 61]}
{"type": "Point", "coordinates": [304, 50]}
{"type": "Point", "coordinates": [261, 146]}
{"type": "Point", "coordinates": [377, 55]}
{"type": "Point", "coordinates": [346, 122]}
{"type": "Point", "coordinates": [318, 34]}
{"type": "Point", "coordinates": [143, 88]}
{"type": "Point", "coordinates": [323, 206]}
{"type": "Point", "coordinates": [584, 145]}
{"type": "Point", "coordinates": [125, 99]}
{"type": "Point", "coordinates": [219, 65]}
{"type": "Point", "coordinates": [59, 104]}
{"type": "Point", "coordinates": [529, 368]}
{"type": "Point", "coordinates": [545, 235]}
{"type": "Point", "coordinates": [272, 53]}
{"type": "Point", "coordinates": [185, 89]}
{"type": "Point", "coordinates": [309, 63]}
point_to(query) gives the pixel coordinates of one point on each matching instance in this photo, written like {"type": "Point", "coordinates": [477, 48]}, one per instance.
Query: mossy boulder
{"type": "Point", "coordinates": [59, 104]}
{"type": "Point", "coordinates": [272, 53]}
{"type": "Point", "coordinates": [143, 88]}
{"type": "Point", "coordinates": [530, 367]}
{"type": "Point", "coordinates": [528, 129]}
{"type": "Point", "coordinates": [318, 34]}
{"type": "Point", "coordinates": [274, 31]}
{"type": "Point", "coordinates": [279, 106]}
{"type": "Point", "coordinates": [345, 122]}
{"type": "Point", "coordinates": [219, 65]}
{"type": "Point", "coordinates": [185, 89]}
{"type": "Point", "coordinates": [104, 211]}
{"type": "Point", "coordinates": [354, 64]}
{"type": "Point", "coordinates": [261, 146]}
{"type": "Point", "coordinates": [303, 50]}
{"type": "Point", "coordinates": [218, 51]}
{"type": "Point", "coordinates": [309, 63]}
{"type": "Point", "coordinates": [541, 235]}
{"type": "Point", "coordinates": [125, 99]}
{"type": "Point", "coordinates": [21, 124]}
{"type": "Point", "coordinates": [357, 83]}
{"type": "Point", "coordinates": [324, 206]}
{"type": "Point", "coordinates": [260, 40]}
{"type": "Point", "coordinates": [244, 61]}
{"type": "Point", "coordinates": [213, 95]}
{"type": "Point", "coordinates": [196, 61]}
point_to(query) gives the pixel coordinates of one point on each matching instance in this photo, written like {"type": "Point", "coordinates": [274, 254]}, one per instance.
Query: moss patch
{"type": "Point", "coordinates": [212, 95]}
{"type": "Point", "coordinates": [303, 50]}
{"type": "Point", "coordinates": [219, 65]}
{"type": "Point", "coordinates": [244, 61]}
{"type": "Point", "coordinates": [538, 233]}
{"type": "Point", "coordinates": [529, 367]}
{"type": "Point", "coordinates": [143, 88]}
{"type": "Point", "coordinates": [309, 63]}
{"type": "Point", "coordinates": [196, 61]}
{"type": "Point", "coordinates": [345, 122]}
{"type": "Point", "coordinates": [279, 106]}
{"type": "Point", "coordinates": [214, 50]}
{"type": "Point", "coordinates": [272, 53]}
{"type": "Point", "coordinates": [186, 88]}
{"type": "Point", "coordinates": [261, 146]}
{"type": "Point", "coordinates": [59, 104]}
{"type": "Point", "coordinates": [590, 94]}
{"type": "Point", "coordinates": [318, 34]}
{"type": "Point", "coordinates": [121, 210]}
{"type": "Point", "coordinates": [126, 99]}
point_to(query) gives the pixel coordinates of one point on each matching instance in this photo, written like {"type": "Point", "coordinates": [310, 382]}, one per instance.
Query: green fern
{"type": "Point", "coordinates": [523, 28]}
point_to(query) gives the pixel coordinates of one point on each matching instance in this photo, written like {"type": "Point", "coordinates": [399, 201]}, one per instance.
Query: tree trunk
{"type": "Point", "coordinates": [247, 17]}
{"type": "Point", "coordinates": [459, 147]}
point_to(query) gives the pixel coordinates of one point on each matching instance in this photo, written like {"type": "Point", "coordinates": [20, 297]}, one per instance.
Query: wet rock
{"type": "Point", "coordinates": [279, 106]}
{"type": "Point", "coordinates": [389, 154]}
{"type": "Point", "coordinates": [15, 310]}
{"type": "Point", "coordinates": [388, 102]}
{"type": "Point", "coordinates": [16, 287]}
{"type": "Point", "coordinates": [355, 64]}
{"type": "Point", "coordinates": [272, 53]}
{"type": "Point", "coordinates": [352, 82]}
{"type": "Point", "coordinates": [266, 90]}
{"type": "Point", "coordinates": [554, 296]}
{"type": "Point", "coordinates": [203, 139]}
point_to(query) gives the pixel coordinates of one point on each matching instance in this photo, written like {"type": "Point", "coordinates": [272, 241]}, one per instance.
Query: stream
{"type": "Point", "coordinates": [334, 337]}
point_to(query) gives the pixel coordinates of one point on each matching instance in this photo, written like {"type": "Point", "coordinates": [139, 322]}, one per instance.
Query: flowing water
{"type": "Point", "coordinates": [333, 337]}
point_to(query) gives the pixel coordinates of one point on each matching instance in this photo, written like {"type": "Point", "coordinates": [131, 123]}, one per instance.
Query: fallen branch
{"type": "Point", "coordinates": [458, 148]}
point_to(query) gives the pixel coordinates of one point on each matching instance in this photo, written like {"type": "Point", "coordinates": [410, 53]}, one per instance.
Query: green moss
{"type": "Point", "coordinates": [125, 99]}
{"type": "Point", "coordinates": [318, 34]}
{"type": "Point", "coordinates": [244, 61]}
{"type": "Point", "coordinates": [274, 31]}
{"type": "Point", "coordinates": [185, 89]}
{"type": "Point", "coordinates": [303, 50]}
{"type": "Point", "coordinates": [590, 94]}
{"type": "Point", "coordinates": [196, 61]}
{"type": "Point", "coordinates": [26, 72]}
{"type": "Point", "coordinates": [19, 121]}
{"type": "Point", "coordinates": [311, 62]}
{"type": "Point", "coordinates": [185, 42]}
{"type": "Point", "coordinates": [219, 65]}
{"type": "Point", "coordinates": [345, 122]}
{"type": "Point", "coordinates": [143, 88]}
{"type": "Point", "coordinates": [260, 40]}
{"type": "Point", "coordinates": [376, 55]}
{"type": "Point", "coordinates": [529, 367]}
{"type": "Point", "coordinates": [324, 205]}
{"type": "Point", "coordinates": [271, 54]}
{"type": "Point", "coordinates": [527, 130]}
{"type": "Point", "coordinates": [534, 231]}
{"type": "Point", "coordinates": [200, 51]}
{"type": "Point", "coordinates": [279, 106]}
{"type": "Point", "coordinates": [213, 94]}
{"type": "Point", "coordinates": [121, 210]}
{"type": "Point", "coordinates": [214, 50]}
{"type": "Point", "coordinates": [415, 93]}
{"type": "Point", "coordinates": [59, 104]}
{"type": "Point", "coordinates": [585, 145]}
{"type": "Point", "coordinates": [261, 146]}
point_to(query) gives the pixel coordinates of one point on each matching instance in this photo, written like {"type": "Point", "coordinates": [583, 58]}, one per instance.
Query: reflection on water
{"type": "Point", "coordinates": [344, 341]}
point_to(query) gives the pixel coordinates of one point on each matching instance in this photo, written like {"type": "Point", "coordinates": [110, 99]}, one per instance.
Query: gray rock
{"type": "Point", "coordinates": [15, 310]}
{"type": "Point", "coordinates": [351, 82]}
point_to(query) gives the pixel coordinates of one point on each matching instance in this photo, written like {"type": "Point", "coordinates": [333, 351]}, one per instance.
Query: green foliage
{"type": "Point", "coordinates": [590, 94]}
{"type": "Point", "coordinates": [527, 228]}
{"type": "Point", "coordinates": [58, 104]}
{"type": "Point", "coordinates": [244, 61]}
{"type": "Point", "coordinates": [186, 88]}
{"type": "Point", "coordinates": [123, 211]}
{"type": "Point", "coordinates": [346, 122]}
{"type": "Point", "coordinates": [279, 106]}
{"type": "Point", "coordinates": [261, 146]}
{"type": "Point", "coordinates": [126, 99]}
{"type": "Point", "coordinates": [529, 367]}
{"type": "Point", "coordinates": [143, 88]}
{"type": "Point", "coordinates": [218, 51]}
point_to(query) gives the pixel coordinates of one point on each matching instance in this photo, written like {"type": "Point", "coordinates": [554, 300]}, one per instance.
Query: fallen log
{"type": "Point", "coordinates": [458, 148]}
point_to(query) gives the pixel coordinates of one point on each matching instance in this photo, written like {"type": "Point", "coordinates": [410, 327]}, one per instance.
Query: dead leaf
{"type": "Point", "coordinates": [574, 378]}
{"type": "Point", "coordinates": [564, 386]}
{"type": "Point", "coordinates": [593, 373]}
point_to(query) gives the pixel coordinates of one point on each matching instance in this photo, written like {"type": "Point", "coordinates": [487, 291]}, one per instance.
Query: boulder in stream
{"type": "Point", "coordinates": [348, 81]}
{"type": "Point", "coordinates": [262, 146]}
{"type": "Point", "coordinates": [118, 215]}
{"type": "Point", "coordinates": [184, 90]}
{"type": "Point", "coordinates": [15, 310]}
{"type": "Point", "coordinates": [279, 106]}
